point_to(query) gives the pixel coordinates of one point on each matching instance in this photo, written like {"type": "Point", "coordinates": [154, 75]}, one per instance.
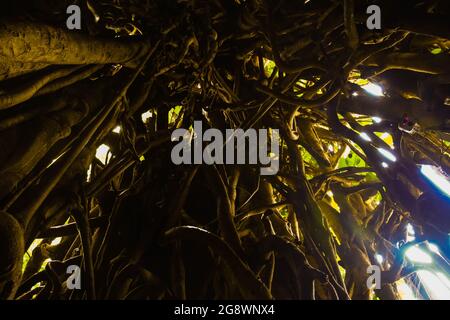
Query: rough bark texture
{"type": "Point", "coordinates": [25, 44]}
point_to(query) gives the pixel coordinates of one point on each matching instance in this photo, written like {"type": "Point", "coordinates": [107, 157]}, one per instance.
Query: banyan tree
{"type": "Point", "coordinates": [359, 207]}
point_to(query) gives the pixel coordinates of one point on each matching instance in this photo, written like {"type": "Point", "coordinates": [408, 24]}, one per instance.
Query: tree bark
{"type": "Point", "coordinates": [28, 46]}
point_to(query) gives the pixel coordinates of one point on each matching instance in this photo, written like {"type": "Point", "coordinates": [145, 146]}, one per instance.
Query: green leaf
{"type": "Point", "coordinates": [436, 51]}
{"type": "Point", "coordinates": [351, 160]}
{"type": "Point", "coordinates": [174, 113]}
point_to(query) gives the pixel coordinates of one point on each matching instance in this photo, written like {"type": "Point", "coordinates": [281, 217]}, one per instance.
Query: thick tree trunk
{"type": "Point", "coordinates": [30, 46]}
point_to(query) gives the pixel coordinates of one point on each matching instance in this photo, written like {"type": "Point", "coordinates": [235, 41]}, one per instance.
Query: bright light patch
{"type": "Point", "coordinates": [146, 115]}
{"type": "Point", "coordinates": [117, 129]}
{"type": "Point", "coordinates": [379, 258]}
{"type": "Point", "coordinates": [384, 165]}
{"type": "Point", "coordinates": [437, 177]}
{"type": "Point", "coordinates": [444, 279]}
{"type": "Point", "coordinates": [346, 152]}
{"type": "Point", "coordinates": [415, 254]}
{"type": "Point", "coordinates": [54, 160]}
{"type": "Point", "coordinates": [330, 148]}
{"type": "Point", "coordinates": [435, 287]}
{"type": "Point", "coordinates": [33, 246]}
{"type": "Point", "coordinates": [376, 119]}
{"type": "Point", "coordinates": [410, 228]}
{"type": "Point", "coordinates": [405, 291]}
{"type": "Point", "coordinates": [410, 233]}
{"type": "Point", "coordinates": [386, 137]}
{"type": "Point", "coordinates": [373, 89]}
{"type": "Point", "coordinates": [56, 241]}
{"type": "Point", "coordinates": [387, 154]}
{"type": "Point", "coordinates": [434, 248]}
{"type": "Point", "coordinates": [365, 136]}
{"type": "Point", "coordinates": [103, 153]}
{"type": "Point", "coordinates": [89, 173]}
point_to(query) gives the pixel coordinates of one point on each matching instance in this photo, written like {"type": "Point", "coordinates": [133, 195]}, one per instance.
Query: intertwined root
{"type": "Point", "coordinates": [11, 255]}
